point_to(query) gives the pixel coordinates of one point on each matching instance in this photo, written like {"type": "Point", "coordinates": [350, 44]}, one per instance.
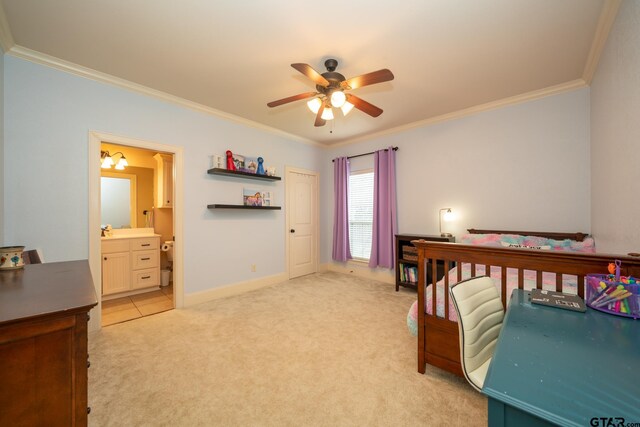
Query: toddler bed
{"type": "Point", "coordinates": [514, 259]}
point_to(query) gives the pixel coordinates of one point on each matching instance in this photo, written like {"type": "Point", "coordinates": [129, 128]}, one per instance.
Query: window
{"type": "Point", "coordinates": [360, 213]}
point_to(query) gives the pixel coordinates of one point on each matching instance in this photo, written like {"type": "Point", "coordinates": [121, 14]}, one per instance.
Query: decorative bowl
{"type": "Point", "coordinates": [11, 257]}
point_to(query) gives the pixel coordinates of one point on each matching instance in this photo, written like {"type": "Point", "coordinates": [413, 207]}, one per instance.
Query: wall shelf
{"type": "Point", "coordinates": [226, 172]}
{"type": "Point", "coordinates": [219, 206]}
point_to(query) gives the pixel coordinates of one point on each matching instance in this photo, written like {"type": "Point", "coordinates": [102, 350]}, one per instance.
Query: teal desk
{"type": "Point", "coordinates": [554, 366]}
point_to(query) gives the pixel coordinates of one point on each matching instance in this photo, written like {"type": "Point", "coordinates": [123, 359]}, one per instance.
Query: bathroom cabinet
{"type": "Point", "coordinates": [164, 180]}
{"type": "Point", "coordinates": [130, 264]}
{"type": "Point", "coordinates": [43, 344]}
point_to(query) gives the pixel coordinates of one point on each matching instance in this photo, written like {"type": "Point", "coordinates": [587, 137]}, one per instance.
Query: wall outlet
{"type": "Point", "coordinates": [253, 268]}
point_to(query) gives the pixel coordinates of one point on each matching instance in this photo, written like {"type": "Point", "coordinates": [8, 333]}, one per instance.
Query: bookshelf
{"type": "Point", "coordinates": [407, 259]}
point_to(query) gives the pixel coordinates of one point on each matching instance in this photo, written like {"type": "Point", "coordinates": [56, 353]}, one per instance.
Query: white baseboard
{"type": "Point", "coordinates": [234, 289]}
{"type": "Point", "coordinates": [323, 268]}
{"type": "Point", "coordinates": [362, 270]}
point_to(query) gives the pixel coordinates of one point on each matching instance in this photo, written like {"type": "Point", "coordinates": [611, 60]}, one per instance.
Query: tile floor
{"type": "Point", "coordinates": [136, 306]}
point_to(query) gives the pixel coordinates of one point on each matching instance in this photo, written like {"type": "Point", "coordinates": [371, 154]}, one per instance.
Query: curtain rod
{"type": "Point", "coordinates": [366, 154]}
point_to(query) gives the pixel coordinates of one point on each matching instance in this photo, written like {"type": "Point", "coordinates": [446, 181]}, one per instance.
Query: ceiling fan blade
{"type": "Point", "coordinates": [311, 73]}
{"type": "Point", "coordinates": [319, 120]}
{"type": "Point", "coordinates": [292, 98]}
{"type": "Point", "coordinates": [364, 106]}
{"type": "Point", "coordinates": [379, 76]}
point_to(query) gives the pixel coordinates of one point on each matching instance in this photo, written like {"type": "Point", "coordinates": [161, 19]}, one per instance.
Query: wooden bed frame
{"type": "Point", "coordinates": [438, 342]}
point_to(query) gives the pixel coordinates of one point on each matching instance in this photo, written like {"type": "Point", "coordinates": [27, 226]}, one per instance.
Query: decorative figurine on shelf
{"type": "Point", "coordinates": [260, 167]}
{"type": "Point", "coordinates": [271, 171]}
{"type": "Point", "coordinates": [230, 165]}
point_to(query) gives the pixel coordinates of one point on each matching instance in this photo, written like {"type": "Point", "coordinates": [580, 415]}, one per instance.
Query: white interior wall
{"type": "Point", "coordinates": [48, 116]}
{"type": "Point", "coordinates": [615, 136]}
{"type": "Point", "coordinates": [522, 167]}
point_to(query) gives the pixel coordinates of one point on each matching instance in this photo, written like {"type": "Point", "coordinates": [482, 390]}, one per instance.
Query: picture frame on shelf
{"type": "Point", "coordinates": [238, 161]}
{"type": "Point", "coordinates": [252, 197]}
{"type": "Point", "coordinates": [218, 161]}
{"type": "Point", "coordinates": [250, 164]}
{"type": "Point", "coordinates": [266, 198]}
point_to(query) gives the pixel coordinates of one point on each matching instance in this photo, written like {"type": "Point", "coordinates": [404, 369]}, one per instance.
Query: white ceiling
{"type": "Point", "coordinates": [235, 56]}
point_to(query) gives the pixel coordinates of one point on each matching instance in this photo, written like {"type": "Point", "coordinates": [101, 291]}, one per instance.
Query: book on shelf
{"type": "Point", "coordinates": [408, 273]}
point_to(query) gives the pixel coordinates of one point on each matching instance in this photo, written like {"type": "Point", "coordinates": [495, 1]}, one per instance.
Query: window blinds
{"type": "Point", "coordinates": [360, 214]}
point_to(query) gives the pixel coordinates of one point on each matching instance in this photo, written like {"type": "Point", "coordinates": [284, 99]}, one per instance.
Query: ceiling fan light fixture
{"type": "Point", "coordinates": [314, 105]}
{"type": "Point", "coordinates": [346, 108]}
{"type": "Point", "coordinates": [327, 114]}
{"type": "Point", "coordinates": [330, 91]}
{"type": "Point", "coordinates": [338, 98]}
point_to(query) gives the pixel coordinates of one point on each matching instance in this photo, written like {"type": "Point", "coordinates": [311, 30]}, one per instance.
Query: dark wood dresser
{"type": "Point", "coordinates": [44, 309]}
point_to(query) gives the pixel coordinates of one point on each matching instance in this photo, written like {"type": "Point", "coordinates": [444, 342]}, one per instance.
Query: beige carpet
{"type": "Point", "coordinates": [322, 350]}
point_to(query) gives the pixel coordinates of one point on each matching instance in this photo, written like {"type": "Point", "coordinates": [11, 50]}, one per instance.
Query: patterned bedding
{"type": "Point", "coordinates": [499, 240]}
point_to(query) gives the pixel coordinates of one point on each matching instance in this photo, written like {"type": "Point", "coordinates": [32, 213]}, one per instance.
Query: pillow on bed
{"type": "Point", "coordinates": [517, 245]}
{"type": "Point", "coordinates": [483, 239]}
{"type": "Point", "coordinates": [587, 245]}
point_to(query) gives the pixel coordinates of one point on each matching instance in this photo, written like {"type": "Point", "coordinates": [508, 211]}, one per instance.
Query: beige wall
{"type": "Point", "coordinates": [615, 137]}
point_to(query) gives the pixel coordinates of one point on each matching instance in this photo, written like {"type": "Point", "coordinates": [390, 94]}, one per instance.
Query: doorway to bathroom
{"type": "Point", "coordinates": [135, 228]}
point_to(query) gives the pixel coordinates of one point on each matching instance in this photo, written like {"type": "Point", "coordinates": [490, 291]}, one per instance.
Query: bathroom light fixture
{"type": "Point", "coordinates": [448, 216]}
{"type": "Point", "coordinates": [107, 160]}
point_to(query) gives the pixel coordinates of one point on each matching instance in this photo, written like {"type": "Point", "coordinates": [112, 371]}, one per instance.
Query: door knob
{"type": "Point", "coordinates": [292, 231]}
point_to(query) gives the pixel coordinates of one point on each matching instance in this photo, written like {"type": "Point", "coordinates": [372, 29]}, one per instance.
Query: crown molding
{"type": "Point", "coordinates": [512, 100]}
{"type": "Point", "coordinates": [605, 22]}
{"type": "Point", "coordinates": [69, 67]}
{"type": "Point", "coordinates": [6, 39]}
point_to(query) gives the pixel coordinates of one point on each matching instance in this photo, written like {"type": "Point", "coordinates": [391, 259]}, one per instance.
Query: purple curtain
{"type": "Point", "coordinates": [384, 209]}
{"type": "Point", "coordinates": [341, 251]}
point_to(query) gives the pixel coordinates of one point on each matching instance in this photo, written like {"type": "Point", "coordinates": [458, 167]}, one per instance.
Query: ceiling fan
{"type": "Point", "coordinates": [331, 87]}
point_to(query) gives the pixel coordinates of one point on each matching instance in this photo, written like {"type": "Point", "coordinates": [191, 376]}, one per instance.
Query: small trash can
{"type": "Point", "coordinates": [164, 277]}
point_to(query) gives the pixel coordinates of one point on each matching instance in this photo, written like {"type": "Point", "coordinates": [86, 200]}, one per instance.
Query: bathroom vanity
{"type": "Point", "coordinates": [130, 262]}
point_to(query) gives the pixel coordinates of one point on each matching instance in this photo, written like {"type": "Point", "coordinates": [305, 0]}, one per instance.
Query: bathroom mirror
{"type": "Point", "coordinates": [118, 200]}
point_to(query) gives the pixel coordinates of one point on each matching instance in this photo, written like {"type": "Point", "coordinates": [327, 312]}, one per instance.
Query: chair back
{"type": "Point", "coordinates": [480, 313]}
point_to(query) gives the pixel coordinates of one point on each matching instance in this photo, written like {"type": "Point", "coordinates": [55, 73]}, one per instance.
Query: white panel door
{"type": "Point", "coordinates": [302, 214]}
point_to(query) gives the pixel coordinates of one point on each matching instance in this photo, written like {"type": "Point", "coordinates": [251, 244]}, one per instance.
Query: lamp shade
{"type": "Point", "coordinates": [338, 98]}
{"type": "Point", "coordinates": [327, 114]}
{"type": "Point", "coordinates": [448, 216]}
{"type": "Point", "coordinates": [107, 162]}
{"type": "Point", "coordinates": [123, 161]}
{"type": "Point", "coordinates": [314, 105]}
{"type": "Point", "coordinates": [346, 108]}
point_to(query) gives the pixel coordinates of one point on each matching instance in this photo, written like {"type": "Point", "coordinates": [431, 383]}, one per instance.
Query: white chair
{"type": "Point", "coordinates": [480, 315]}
